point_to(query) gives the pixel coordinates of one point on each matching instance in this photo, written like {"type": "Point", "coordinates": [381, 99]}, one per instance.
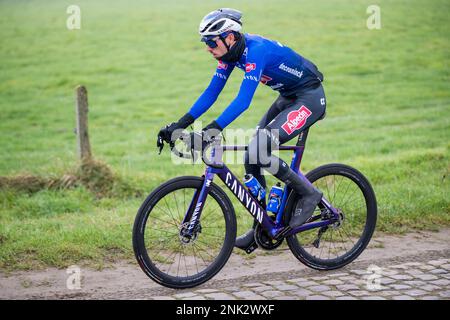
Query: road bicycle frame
{"type": "Point", "coordinates": [275, 228]}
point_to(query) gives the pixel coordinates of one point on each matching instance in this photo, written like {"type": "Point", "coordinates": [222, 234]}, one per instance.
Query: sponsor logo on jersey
{"type": "Point", "coordinates": [296, 119]}
{"type": "Point", "coordinates": [222, 65]}
{"type": "Point", "coordinates": [253, 78]}
{"type": "Point", "coordinates": [277, 86]}
{"type": "Point", "coordinates": [222, 76]}
{"type": "Point", "coordinates": [292, 71]}
{"type": "Point", "coordinates": [250, 66]}
{"type": "Point", "coordinates": [265, 79]}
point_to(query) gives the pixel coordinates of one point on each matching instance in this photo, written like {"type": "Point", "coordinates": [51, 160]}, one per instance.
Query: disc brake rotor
{"type": "Point", "coordinates": [184, 236]}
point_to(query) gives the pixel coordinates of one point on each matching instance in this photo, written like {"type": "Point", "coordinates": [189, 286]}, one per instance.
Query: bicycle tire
{"type": "Point", "coordinates": [149, 266]}
{"type": "Point", "coordinates": [296, 245]}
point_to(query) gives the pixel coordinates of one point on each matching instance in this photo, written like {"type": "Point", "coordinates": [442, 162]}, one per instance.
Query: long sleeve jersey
{"type": "Point", "coordinates": [265, 61]}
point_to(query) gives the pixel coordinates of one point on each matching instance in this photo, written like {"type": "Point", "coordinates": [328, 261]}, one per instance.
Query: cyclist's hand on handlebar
{"type": "Point", "coordinates": [211, 131]}
{"type": "Point", "coordinates": [167, 133]}
{"type": "Point", "coordinates": [199, 141]}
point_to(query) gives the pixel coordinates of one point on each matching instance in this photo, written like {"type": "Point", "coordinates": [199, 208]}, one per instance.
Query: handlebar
{"type": "Point", "coordinates": [192, 153]}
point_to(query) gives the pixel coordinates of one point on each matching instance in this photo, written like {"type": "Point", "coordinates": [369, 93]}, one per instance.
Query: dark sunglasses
{"type": "Point", "coordinates": [210, 42]}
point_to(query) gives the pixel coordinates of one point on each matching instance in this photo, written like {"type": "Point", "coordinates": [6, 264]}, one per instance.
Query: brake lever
{"type": "Point", "coordinates": [160, 144]}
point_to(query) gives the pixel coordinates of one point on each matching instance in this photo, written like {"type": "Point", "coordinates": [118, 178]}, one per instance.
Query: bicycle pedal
{"type": "Point", "coordinates": [252, 247]}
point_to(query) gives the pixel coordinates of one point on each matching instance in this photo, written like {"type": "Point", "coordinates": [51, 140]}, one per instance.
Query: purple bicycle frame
{"type": "Point", "coordinates": [274, 228]}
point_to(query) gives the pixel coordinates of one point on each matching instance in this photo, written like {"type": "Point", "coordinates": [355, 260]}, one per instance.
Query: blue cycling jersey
{"type": "Point", "coordinates": [265, 61]}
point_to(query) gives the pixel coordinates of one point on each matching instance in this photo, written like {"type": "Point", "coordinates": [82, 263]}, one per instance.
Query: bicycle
{"type": "Point", "coordinates": [185, 247]}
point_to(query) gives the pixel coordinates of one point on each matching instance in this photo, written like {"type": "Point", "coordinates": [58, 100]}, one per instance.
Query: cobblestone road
{"type": "Point", "coordinates": [428, 280]}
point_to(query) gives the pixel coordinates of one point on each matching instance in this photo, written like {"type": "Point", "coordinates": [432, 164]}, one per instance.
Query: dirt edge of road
{"type": "Point", "coordinates": [124, 278]}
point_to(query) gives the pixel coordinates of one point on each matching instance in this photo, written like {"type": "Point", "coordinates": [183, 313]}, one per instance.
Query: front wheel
{"type": "Point", "coordinates": [336, 245]}
{"type": "Point", "coordinates": [159, 246]}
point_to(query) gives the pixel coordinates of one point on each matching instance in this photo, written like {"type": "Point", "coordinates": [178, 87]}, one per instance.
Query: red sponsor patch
{"type": "Point", "coordinates": [265, 79]}
{"type": "Point", "coordinates": [222, 65]}
{"type": "Point", "coordinates": [250, 66]}
{"type": "Point", "coordinates": [296, 119]}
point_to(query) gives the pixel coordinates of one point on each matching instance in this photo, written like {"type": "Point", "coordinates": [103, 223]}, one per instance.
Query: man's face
{"type": "Point", "coordinates": [221, 49]}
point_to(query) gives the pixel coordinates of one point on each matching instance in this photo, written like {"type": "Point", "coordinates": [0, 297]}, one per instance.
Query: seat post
{"type": "Point", "coordinates": [301, 142]}
{"type": "Point", "coordinates": [298, 153]}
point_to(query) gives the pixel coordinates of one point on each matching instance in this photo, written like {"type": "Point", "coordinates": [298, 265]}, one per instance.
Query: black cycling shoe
{"type": "Point", "coordinates": [310, 197]}
{"type": "Point", "coordinates": [244, 241]}
{"type": "Point", "coordinates": [305, 209]}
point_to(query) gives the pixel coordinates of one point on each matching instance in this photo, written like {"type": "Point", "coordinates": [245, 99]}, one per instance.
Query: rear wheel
{"type": "Point", "coordinates": [162, 251]}
{"type": "Point", "coordinates": [336, 245]}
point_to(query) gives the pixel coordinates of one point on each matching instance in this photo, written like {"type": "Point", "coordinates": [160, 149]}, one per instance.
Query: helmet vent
{"type": "Point", "coordinates": [217, 26]}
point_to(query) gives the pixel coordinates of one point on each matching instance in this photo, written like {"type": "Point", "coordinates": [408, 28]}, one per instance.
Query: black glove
{"type": "Point", "coordinates": [200, 141]}
{"type": "Point", "coordinates": [211, 131]}
{"type": "Point", "coordinates": [165, 134]}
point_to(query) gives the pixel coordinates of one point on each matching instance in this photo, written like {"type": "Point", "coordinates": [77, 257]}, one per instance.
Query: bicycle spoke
{"type": "Point", "coordinates": [209, 212]}
{"type": "Point", "coordinates": [174, 254]}
{"type": "Point", "coordinates": [345, 194]}
{"type": "Point", "coordinates": [170, 212]}
{"type": "Point", "coordinates": [346, 190]}
{"type": "Point", "coordinates": [175, 223]}
{"type": "Point", "coordinates": [195, 259]}
{"type": "Point", "coordinates": [347, 201]}
{"type": "Point", "coordinates": [164, 246]}
{"type": "Point", "coordinates": [199, 253]}
{"type": "Point", "coordinates": [176, 203]}
{"type": "Point", "coordinates": [331, 242]}
{"type": "Point", "coordinates": [211, 235]}
{"type": "Point", "coordinates": [343, 242]}
{"type": "Point", "coordinates": [165, 222]}
{"type": "Point", "coordinates": [204, 247]}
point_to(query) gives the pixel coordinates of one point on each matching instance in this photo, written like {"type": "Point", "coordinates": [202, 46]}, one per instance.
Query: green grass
{"type": "Point", "coordinates": [387, 91]}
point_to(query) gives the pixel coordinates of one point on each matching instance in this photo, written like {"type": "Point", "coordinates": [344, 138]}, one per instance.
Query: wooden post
{"type": "Point", "coordinates": [81, 106]}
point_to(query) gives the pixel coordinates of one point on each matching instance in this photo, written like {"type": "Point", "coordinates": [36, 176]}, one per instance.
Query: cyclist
{"type": "Point", "coordinates": [301, 102]}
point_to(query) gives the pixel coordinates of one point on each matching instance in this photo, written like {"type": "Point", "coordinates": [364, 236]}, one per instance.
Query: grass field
{"type": "Point", "coordinates": [387, 90]}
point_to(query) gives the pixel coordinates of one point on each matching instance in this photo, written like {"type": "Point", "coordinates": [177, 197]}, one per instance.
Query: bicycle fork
{"type": "Point", "coordinates": [191, 219]}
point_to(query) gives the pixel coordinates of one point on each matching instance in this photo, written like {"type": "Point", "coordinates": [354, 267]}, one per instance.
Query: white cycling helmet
{"type": "Point", "coordinates": [220, 21]}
